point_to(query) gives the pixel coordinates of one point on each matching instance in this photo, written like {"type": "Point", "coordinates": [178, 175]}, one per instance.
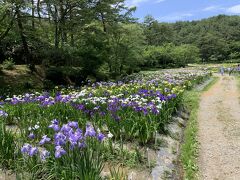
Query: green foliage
{"type": "Point", "coordinates": [64, 75]}
{"type": "Point", "coordinates": [8, 64]}
{"type": "Point", "coordinates": [170, 55]}
{"type": "Point", "coordinates": [157, 33]}
{"type": "Point", "coordinates": [117, 174]}
{"type": "Point", "coordinates": [126, 44]}
{"type": "Point", "coordinates": [189, 149]}
{"type": "Point", "coordinates": [7, 147]}
{"type": "Point", "coordinates": [217, 38]}
{"type": "Point", "coordinates": [212, 48]}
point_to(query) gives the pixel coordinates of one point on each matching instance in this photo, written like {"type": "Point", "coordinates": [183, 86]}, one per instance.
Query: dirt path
{"type": "Point", "coordinates": [219, 131]}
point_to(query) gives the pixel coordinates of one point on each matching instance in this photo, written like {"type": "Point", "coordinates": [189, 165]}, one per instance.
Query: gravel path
{"type": "Point", "coordinates": [219, 131]}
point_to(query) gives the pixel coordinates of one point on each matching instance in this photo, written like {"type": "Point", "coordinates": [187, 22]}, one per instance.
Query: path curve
{"type": "Point", "coordinates": [219, 131]}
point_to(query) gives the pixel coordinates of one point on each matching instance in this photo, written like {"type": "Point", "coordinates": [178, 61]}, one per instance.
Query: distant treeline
{"type": "Point", "coordinates": [216, 38]}
{"type": "Point", "coordinates": [104, 40]}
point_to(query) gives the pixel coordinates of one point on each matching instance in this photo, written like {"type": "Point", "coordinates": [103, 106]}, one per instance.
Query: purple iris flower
{"type": "Point", "coordinates": [15, 101]}
{"type": "Point", "coordinates": [3, 113]}
{"type": "Point", "coordinates": [33, 151]}
{"type": "Point", "coordinates": [90, 131]}
{"type": "Point", "coordinates": [44, 154]}
{"type": "Point", "coordinates": [79, 132]}
{"type": "Point", "coordinates": [155, 110]}
{"type": "Point", "coordinates": [58, 97]}
{"type": "Point", "coordinates": [172, 96]}
{"type": "Point", "coordinates": [80, 107]}
{"type": "Point", "coordinates": [74, 138]}
{"type": "Point", "coordinates": [60, 139]}
{"type": "Point", "coordinates": [101, 136]}
{"type": "Point", "coordinates": [44, 140]}
{"type": "Point", "coordinates": [55, 125]}
{"type": "Point", "coordinates": [26, 148]}
{"type": "Point", "coordinates": [59, 152]}
{"type": "Point", "coordinates": [31, 136]}
{"type": "Point", "coordinates": [73, 124]}
{"type": "Point", "coordinates": [82, 145]}
{"type": "Point", "coordinates": [101, 113]}
{"type": "Point", "coordinates": [66, 128]}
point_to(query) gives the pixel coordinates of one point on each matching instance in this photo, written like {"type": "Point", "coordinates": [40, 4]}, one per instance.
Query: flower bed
{"type": "Point", "coordinates": [71, 133]}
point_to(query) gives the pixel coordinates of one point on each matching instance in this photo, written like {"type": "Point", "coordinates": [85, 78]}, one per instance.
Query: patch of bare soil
{"type": "Point", "coordinates": [20, 75]}
{"type": "Point", "coordinates": [219, 131]}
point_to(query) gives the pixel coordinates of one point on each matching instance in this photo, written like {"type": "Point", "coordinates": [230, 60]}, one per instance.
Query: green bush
{"type": "Point", "coordinates": [170, 56]}
{"type": "Point", "coordinates": [56, 76]}
{"type": "Point", "coordinates": [8, 64]}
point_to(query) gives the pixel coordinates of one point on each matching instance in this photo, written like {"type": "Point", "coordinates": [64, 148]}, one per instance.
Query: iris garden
{"type": "Point", "coordinates": [77, 133]}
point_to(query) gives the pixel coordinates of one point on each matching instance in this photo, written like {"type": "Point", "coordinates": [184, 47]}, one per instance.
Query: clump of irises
{"type": "Point", "coordinates": [66, 138]}
{"type": "Point", "coordinates": [72, 152]}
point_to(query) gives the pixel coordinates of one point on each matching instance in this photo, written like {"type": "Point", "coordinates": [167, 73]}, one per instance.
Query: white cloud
{"type": "Point", "coordinates": [159, 1]}
{"type": "Point", "coordinates": [175, 17]}
{"type": "Point", "coordinates": [135, 2]}
{"type": "Point", "coordinates": [210, 8]}
{"type": "Point", "coordinates": [213, 8]}
{"type": "Point", "coordinates": [234, 9]}
{"type": "Point", "coordinates": [138, 2]}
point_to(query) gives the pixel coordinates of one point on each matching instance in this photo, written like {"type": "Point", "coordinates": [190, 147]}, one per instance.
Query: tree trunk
{"type": "Point", "coordinates": [33, 11]}
{"type": "Point", "coordinates": [103, 23]}
{"type": "Point", "coordinates": [71, 31]}
{"type": "Point", "coordinates": [38, 10]}
{"type": "Point", "coordinates": [28, 60]}
{"type": "Point", "coordinates": [56, 35]}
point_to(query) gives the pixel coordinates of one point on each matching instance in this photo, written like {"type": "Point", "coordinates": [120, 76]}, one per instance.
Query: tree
{"type": "Point", "coordinates": [213, 48]}
{"type": "Point", "coordinates": [157, 33]}
{"type": "Point", "coordinates": [126, 43]}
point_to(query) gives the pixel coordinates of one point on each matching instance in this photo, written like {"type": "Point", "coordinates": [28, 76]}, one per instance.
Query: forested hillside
{"type": "Point", "coordinates": [217, 38]}
{"type": "Point", "coordinates": [104, 40]}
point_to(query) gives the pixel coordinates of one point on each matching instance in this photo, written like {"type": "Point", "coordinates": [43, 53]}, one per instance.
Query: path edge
{"type": "Point", "coordinates": [190, 147]}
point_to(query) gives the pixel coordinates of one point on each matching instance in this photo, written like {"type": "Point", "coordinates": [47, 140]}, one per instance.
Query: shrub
{"type": "Point", "coordinates": [8, 64]}
{"type": "Point", "coordinates": [56, 76]}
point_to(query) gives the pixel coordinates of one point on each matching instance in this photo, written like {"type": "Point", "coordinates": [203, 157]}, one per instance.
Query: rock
{"type": "Point", "coordinates": [181, 122]}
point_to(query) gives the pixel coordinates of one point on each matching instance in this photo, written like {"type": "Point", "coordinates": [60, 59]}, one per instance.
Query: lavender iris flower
{"type": "Point", "coordinates": [73, 124]}
{"type": "Point", "coordinates": [74, 138]}
{"type": "Point", "coordinates": [33, 151]}
{"type": "Point", "coordinates": [55, 125]}
{"type": "Point", "coordinates": [26, 148]}
{"type": "Point", "coordinates": [90, 131]}
{"type": "Point", "coordinates": [3, 113]}
{"type": "Point", "coordinates": [101, 136]}
{"type": "Point", "coordinates": [44, 140]}
{"type": "Point", "coordinates": [59, 152]}
{"type": "Point", "coordinates": [44, 154]}
{"type": "Point", "coordinates": [60, 139]}
{"type": "Point", "coordinates": [31, 136]}
{"type": "Point", "coordinates": [66, 128]}
{"type": "Point", "coordinates": [82, 145]}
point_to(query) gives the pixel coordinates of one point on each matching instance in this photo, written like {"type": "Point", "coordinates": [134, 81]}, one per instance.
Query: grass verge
{"type": "Point", "coordinates": [212, 82]}
{"type": "Point", "coordinates": [189, 149]}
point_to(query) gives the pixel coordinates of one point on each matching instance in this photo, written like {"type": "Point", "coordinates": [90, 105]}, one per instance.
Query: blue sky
{"type": "Point", "coordinates": [180, 10]}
